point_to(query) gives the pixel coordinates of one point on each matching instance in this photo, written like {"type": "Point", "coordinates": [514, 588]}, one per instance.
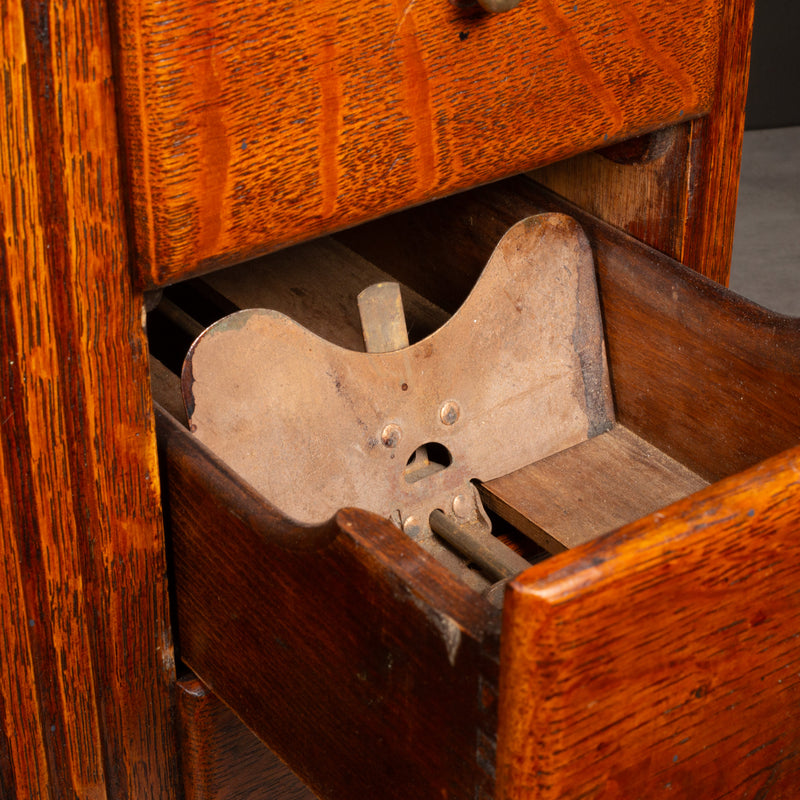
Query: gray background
{"type": "Point", "coordinates": [766, 243]}
{"type": "Point", "coordinates": [773, 98]}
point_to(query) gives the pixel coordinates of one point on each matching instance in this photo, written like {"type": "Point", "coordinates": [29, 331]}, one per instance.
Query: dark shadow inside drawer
{"type": "Point", "coordinates": [362, 660]}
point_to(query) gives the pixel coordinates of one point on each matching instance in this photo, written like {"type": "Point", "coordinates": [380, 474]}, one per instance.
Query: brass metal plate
{"type": "Point", "coordinates": [518, 373]}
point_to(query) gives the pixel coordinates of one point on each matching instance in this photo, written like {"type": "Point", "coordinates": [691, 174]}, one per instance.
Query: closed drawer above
{"type": "Point", "coordinates": [251, 125]}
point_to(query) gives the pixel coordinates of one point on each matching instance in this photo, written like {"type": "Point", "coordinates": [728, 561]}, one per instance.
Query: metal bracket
{"type": "Point", "coordinates": [518, 373]}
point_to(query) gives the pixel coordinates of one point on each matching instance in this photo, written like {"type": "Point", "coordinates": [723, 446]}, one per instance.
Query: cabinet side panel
{"type": "Point", "coordinates": [716, 153]}
{"type": "Point", "coordinates": [86, 663]}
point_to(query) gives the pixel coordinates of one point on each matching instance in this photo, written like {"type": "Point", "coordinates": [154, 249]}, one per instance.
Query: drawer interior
{"type": "Point", "coordinates": [566, 499]}
{"type": "Point", "coordinates": [705, 385]}
{"type": "Point", "coordinates": [437, 252]}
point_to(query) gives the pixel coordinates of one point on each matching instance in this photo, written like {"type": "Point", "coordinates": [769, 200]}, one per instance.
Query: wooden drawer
{"type": "Point", "coordinates": [248, 126]}
{"type": "Point", "coordinates": [659, 659]}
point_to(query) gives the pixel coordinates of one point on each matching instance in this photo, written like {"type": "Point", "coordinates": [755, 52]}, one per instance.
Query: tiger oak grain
{"type": "Point", "coordinates": [248, 126]}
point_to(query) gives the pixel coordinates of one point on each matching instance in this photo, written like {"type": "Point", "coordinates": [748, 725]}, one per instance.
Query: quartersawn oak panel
{"type": "Point", "coordinates": [250, 125]}
{"type": "Point", "coordinates": [664, 657]}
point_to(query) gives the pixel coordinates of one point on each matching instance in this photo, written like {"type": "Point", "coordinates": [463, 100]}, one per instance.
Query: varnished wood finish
{"type": "Point", "coordinates": [357, 657]}
{"type": "Point", "coordinates": [683, 200]}
{"type": "Point", "coordinates": [716, 152]}
{"type": "Point", "coordinates": [86, 668]}
{"type": "Point", "coordinates": [248, 127]}
{"type": "Point", "coordinates": [661, 661]}
{"type": "Point", "coordinates": [221, 759]}
{"type": "Point", "coordinates": [86, 661]}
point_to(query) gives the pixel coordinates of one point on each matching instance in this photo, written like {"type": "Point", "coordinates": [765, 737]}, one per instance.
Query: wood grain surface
{"type": "Point", "coordinates": [716, 152]}
{"type": "Point", "coordinates": [346, 648]}
{"type": "Point", "coordinates": [645, 198]}
{"type": "Point", "coordinates": [703, 374]}
{"type": "Point", "coordinates": [590, 489]}
{"type": "Point", "coordinates": [681, 200]}
{"type": "Point", "coordinates": [249, 126]}
{"type": "Point", "coordinates": [86, 660]}
{"type": "Point", "coordinates": [317, 284]}
{"type": "Point", "coordinates": [221, 759]}
{"type": "Point", "coordinates": [661, 661]}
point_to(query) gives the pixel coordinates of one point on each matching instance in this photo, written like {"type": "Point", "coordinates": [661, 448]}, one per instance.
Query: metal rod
{"type": "Point", "coordinates": [478, 544]}
{"type": "Point", "coordinates": [178, 317]}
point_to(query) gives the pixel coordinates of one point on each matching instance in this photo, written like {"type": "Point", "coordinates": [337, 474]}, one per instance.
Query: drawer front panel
{"type": "Point", "coordinates": [249, 126]}
{"type": "Point", "coordinates": [668, 654]}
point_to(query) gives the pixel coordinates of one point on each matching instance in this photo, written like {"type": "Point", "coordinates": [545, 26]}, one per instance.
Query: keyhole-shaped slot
{"type": "Point", "coordinates": [426, 460]}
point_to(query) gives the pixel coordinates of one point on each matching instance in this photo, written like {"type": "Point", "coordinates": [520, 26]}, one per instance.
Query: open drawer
{"type": "Point", "coordinates": [658, 659]}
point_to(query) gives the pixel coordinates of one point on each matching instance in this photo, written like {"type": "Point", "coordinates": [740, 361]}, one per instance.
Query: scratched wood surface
{"type": "Point", "coordinates": [86, 658]}
{"type": "Point", "coordinates": [248, 127]}
{"type": "Point", "coordinates": [681, 197]}
{"type": "Point", "coordinates": [662, 660]}
{"type": "Point", "coordinates": [346, 648]}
